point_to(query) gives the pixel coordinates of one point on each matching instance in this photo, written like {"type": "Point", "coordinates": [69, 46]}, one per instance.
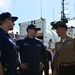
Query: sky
{"type": "Point", "coordinates": [28, 10]}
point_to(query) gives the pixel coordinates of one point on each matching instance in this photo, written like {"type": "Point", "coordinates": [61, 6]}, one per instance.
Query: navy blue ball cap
{"type": "Point", "coordinates": [32, 26]}
{"type": "Point", "coordinates": [5, 15]}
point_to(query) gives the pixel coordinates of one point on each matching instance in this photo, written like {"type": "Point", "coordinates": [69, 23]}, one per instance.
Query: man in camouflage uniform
{"type": "Point", "coordinates": [64, 59]}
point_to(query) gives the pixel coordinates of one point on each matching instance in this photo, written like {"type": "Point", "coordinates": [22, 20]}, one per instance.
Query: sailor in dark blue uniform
{"type": "Point", "coordinates": [32, 52]}
{"type": "Point", "coordinates": [8, 54]}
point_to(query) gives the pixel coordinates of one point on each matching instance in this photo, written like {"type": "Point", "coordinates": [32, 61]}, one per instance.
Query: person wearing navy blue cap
{"type": "Point", "coordinates": [32, 52]}
{"type": "Point", "coordinates": [8, 54]}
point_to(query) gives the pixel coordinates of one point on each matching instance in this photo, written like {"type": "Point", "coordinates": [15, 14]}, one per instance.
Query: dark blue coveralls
{"type": "Point", "coordinates": [8, 53]}
{"type": "Point", "coordinates": [32, 51]}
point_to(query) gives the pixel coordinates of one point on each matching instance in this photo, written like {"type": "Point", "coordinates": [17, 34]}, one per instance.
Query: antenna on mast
{"type": "Point", "coordinates": [74, 9]}
{"type": "Point", "coordinates": [41, 7]}
{"type": "Point", "coordinates": [53, 15]}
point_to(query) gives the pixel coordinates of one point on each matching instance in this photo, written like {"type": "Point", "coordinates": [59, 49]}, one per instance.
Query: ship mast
{"type": "Point", "coordinates": [62, 12]}
{"type": "Point", "coordinates": [63, 17]}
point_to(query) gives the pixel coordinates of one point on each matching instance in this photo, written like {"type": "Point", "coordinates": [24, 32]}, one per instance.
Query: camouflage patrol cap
{"type": "Point", "coordinates": [60, 24]}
